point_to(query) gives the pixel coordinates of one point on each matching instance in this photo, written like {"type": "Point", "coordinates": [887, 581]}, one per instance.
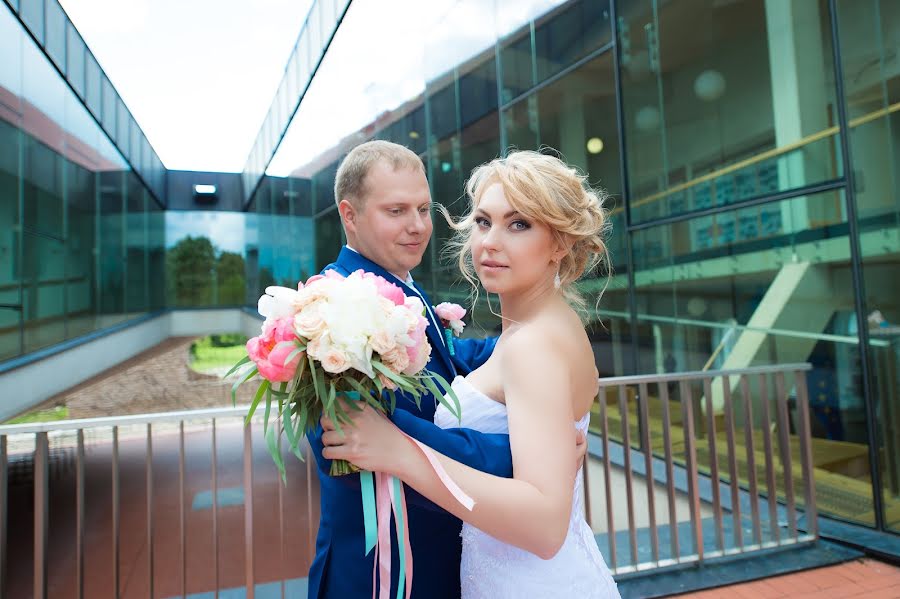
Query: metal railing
{"type": "Point", "coordinates": [144, 500]}
{"type": "Point", "coordinates": [690, 465]}
{"type": "Point", "coordinates": [115, 450]}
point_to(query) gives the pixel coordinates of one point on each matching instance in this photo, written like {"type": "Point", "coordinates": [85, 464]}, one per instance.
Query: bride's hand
{"type": "Point", "coordinates": [371, 441]}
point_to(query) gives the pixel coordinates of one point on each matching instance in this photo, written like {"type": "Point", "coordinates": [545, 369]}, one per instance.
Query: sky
{"type": "Point", "coordinates": [197, 75]}
{"type": "Point", "coordinates": [200, 75]}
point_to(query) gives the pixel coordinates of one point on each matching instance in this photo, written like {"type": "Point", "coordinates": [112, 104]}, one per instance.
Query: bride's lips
{"type": "Point", "coordinates": [492, 265]}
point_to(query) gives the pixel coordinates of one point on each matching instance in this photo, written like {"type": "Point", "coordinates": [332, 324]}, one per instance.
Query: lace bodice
{"type": "Point", "coordinates": [492, 569]}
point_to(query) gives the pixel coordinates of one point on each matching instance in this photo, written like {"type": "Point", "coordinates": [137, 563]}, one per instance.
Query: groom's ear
{"type": "Point", "coordinates": [348, 214]}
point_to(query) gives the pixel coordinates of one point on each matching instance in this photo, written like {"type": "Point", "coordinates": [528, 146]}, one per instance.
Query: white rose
{"type": "Point", "coordinates": [335, 361]}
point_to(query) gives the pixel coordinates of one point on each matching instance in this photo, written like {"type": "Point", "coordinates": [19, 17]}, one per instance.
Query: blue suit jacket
{"type": "Point", "coordinates": [341, 570]}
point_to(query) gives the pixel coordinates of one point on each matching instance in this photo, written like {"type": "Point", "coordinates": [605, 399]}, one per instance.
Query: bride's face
{"type": "Point", "coordinates": [510, 252]}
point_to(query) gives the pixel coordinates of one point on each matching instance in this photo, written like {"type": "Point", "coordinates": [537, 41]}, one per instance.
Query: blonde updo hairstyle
{"type": "Point", "coordinates": [544, 189]}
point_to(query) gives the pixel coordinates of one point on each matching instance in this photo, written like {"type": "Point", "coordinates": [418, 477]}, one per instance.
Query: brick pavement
{"type": "Point", "coordinates": [864, 578]}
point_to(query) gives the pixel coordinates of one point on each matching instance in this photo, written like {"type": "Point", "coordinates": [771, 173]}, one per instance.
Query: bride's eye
{"type": "Point", "coordinates": [482, 222]}
{"type": "Point", "coordinates": [519, 225]}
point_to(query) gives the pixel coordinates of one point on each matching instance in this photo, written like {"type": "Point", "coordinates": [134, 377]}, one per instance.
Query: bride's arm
{"type": "Point", "coordinates": [530, 511]}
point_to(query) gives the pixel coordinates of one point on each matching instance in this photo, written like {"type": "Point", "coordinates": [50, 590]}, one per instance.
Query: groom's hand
{"type": "Point", "coordinates": [581, 448]}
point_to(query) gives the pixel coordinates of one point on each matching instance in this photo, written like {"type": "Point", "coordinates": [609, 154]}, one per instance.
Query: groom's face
{"type": "Point", "coordinates": [391, 225]}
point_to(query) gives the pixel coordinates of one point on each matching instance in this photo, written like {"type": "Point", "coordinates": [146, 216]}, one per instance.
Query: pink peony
{"type": "Point", "coordinates": [269, 357]}
{"type": "Point", "coordinates": [449, 312]}
{"type": "Point", "coordinates": [385, 288]}
{"type": "Point", "coordinates": [420, 350]}
{"type": "Point", "coordinates": [329, 274]}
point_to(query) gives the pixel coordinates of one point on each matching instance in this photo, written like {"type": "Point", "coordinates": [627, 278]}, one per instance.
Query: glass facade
{"type": "Point", "coordinates": [79, 228]}
{"type": "Point", "coordinates": [751, 176]}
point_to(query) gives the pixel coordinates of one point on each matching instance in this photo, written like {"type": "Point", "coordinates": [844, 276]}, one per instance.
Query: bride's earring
{"type": "Point", "coordinates": [557, 283]}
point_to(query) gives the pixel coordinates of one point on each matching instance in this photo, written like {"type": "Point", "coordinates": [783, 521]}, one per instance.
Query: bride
{"type": "Point", "coordinates": [534, 228]}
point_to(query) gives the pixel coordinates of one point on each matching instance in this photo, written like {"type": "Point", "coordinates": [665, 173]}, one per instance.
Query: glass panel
{"type": "Point", "coordinates": [111, 244]}
{"type": "Point", "coordinates": [44, 230]}
{"type": "Point", "coordinates": [765, 286]}
{"type": "Point", "coordinates": [329, 237]}
{"type": "Point", "coordinates": [872, 91]}
{"type": "Point", "coordinates": [92, 85]}
{"type": "Point", "coordinates": [10, 239]}
{"type": "Point", "coordinates": [517, 65]}
{"type": "Point", "coordinates": [75, 59]}
{"type": "Point", "coordinates": [32, 13]}
{"type": "Point", "coordinates": [478, 91]}
{"type": "Point", "coordinates": [741, 109]}
{"type": "Point", "coordinates": [110, 106]}
{"type": "Point", "coordinates": [323, 188]}
{"type": "Point", "coordinates": [55, 40]}
{"type": "Point", "coordinates": [81, 302]}
{"type": "Point", "coordinates": [122, 129]}
{"type": "Point", "coordinates": [569, 34]}
{"type": "Point", "coordinates": [136, 265]}
{"type": "Point", "coordinates": [156, 254]}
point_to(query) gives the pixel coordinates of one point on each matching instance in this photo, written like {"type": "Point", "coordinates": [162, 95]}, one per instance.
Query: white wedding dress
{"type": "Point", "coordinates": [491, 569]}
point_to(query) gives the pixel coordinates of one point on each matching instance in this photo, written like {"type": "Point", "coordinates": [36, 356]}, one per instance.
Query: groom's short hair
{"type": "Point", "coordinates": [350, 180]}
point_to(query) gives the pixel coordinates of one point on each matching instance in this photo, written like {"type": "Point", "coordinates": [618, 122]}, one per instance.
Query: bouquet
{"type": "Point", "coordinates": [358, 337]}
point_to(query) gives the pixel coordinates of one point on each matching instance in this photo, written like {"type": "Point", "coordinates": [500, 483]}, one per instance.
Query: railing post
{"type": "Point", "coordinates": [248, 509]}
{"type": "Point", "coordinates": [809, 482]}
{"type": "Point", "coordinates": [751, 460]}
{"type": "Point", "coordinates": [41, 516]}
{"type": "Point", "coordinates": [79, 516]}
{"type": "Point", "coordinates": [670, 471]}
{"type": "Point", "coordinates": [784, 446]}
{"type": "Point", "coordinates": [629, 491]}
{"type": "Point", "coordinates": [643, 406]}
{"type": "Point", "coordinates": [4, 515]}
{"type": "Point", "coordinates": [771, 489]}
{"type": "Point", "coordinates": [610, 521]}
{"type": "Point", "coordinates": [733, 483]}
{"type": "Point", "coordinates": [149, 467]}
{"type": "Point", "coordinates": [690, 451]}
{"type": "Point", "coordinates": [714, 463]}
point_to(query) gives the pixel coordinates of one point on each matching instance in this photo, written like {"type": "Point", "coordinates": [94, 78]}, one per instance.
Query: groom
{"type": "Point", "coordinates": [385, 207]}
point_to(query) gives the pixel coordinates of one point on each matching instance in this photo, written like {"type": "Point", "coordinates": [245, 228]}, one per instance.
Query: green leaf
{"type": "Point", "coordinates": [244, 378]}
{"type": "Point", "coordinates": [293, 440]}
{"type": "Point", "coordinates": [243, 361]}
{"type": "Point", "coordinates": [358, 387]}
{"type": "Point", "coordinates": [259, 394]}
{"type": "Point", "coordinates": [341, 414]}
{"type": "Point", "coordinates": [276, 454]}
{"type": "Point", "coordinates": [393, 397]}
{"type": "Point", "coordinates": [293, 355]}
{"type": "Point", "coordinates": [331, 392]}
{"type": "Point", "coordinates": [320, 392]}
{"type": "Point", "coordinates": [448, 390]}
{"type": "Point", "coordinates": [401, 381]}
{"type": "Point", "coordinates": [268, 408]}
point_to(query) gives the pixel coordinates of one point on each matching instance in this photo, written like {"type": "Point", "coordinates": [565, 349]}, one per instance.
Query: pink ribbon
{"type": "Point", "coordinates": [386, 501]}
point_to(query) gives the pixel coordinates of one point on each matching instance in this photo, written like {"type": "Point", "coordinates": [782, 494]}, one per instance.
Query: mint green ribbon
{"type": "Point", "coordinates": [367, 487]}
{"type": "Point", "coordinates": [448, 335]}
{"type": "Point", "coordinates": [401, 542]}
{"type": "Point", "coordinates": [367, 483]}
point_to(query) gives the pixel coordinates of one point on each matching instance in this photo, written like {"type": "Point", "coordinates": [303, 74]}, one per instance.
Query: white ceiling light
{"type": "Point", "coordinates": [709, 85]}
{"type": "Point", "coordinates": [647, 118]}
{"type": "Point", "coordinates": [595, 145]}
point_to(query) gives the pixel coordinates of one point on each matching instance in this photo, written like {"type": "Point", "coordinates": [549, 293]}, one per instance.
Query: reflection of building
{"type": "Point", "coordinates": [752, 163]}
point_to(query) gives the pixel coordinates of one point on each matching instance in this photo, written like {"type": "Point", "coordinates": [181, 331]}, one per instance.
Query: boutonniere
{"type": "Point", "coordinates": [451, 316]}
